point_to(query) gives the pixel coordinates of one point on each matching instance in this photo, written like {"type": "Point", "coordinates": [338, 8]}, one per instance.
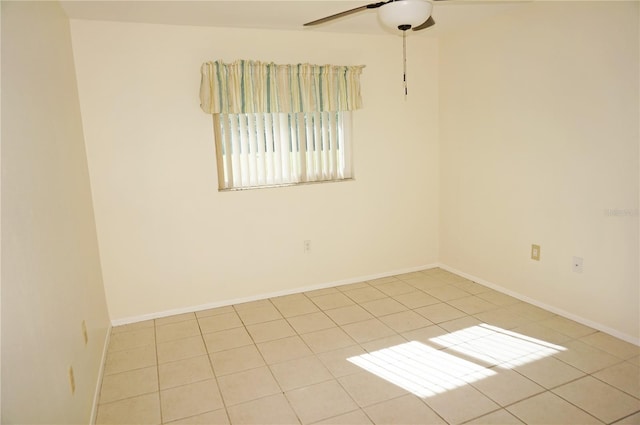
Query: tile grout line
{"type": "Point", "coordinates": [155, 344]}
{"type": "Point", "coordinates": [213, 372]}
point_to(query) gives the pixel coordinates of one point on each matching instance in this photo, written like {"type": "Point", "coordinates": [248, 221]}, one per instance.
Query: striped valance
{"type": "Point", "coordinates": [251, 86]}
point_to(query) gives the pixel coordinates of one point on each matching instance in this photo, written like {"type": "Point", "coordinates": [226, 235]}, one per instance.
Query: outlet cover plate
{"type": "Point", "coordinates": [535, 252]}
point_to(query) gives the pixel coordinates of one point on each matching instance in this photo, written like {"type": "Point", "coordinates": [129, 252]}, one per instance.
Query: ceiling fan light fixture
{"type": "Point", "coordinates": [405, 14]}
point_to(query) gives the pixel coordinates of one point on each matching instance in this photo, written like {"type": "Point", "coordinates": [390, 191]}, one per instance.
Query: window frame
{"type": "Point", "coordinates": [225, 163]}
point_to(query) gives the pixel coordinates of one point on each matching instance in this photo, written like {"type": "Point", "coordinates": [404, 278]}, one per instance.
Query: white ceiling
{"type": "Point", "coordinates": [283, 15]}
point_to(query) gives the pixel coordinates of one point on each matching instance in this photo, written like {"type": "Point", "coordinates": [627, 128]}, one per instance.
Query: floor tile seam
{"type": "Point", "coordinates": [224, 375]}
{"type": "Point", "coordinates": [171, 341]}
{"type": "Point", "coordinates": [203, 333]}
{"type": "Point", "coordinates": [179, 338]}
{"type": "Point", "coordinates": [602, 351]}
{"type": "Point", "coordinates": [356, 321]}
{"type": "Point", "coordinates": [591, 375]}
{"type": "Point", "coordinates": [267, 363]}
{"type": "Point", "coordinates": [226, 313]}
{"type": "Point", "coordinates": [297, 358]}
{"type": "Point", "coordinates": [350, 286]}
{"type": "Point", "coordinates": [191, 382]}
{"type": "Point", "coordinates": [246, 324]}
{"type": "Point", "coordinates": [137, 368]}
{"type": "Point", "coordinates": [623, 418]}
{"type": "Point", "coordinates": [204, 343]}
{"type": "Point", "coordinates": [606, 351]}
{"type": "Point", "coordinates": [489, 413]}
{"type": "Point", "coordinates": [196, 415]}
{"type": "Point", "coordinates": [374, 284]}
{"type": "Point", "coordinates": [409, 393]}
{"type": "Point", "coordinates": [285, 316]}
{"type": "Point", "coordinates": [322, 381]}
{"type": "Point", "coordinates": [131, 370]}
{"type": "Point", "coordinates": [186, 357]}
{"type": "Point", "coordinates": [553, 394]}
{"type": "Point", "coordinates": [325, 314]}
{"type": "Point", "coordinates": [554, 386]}
{"type": "Point", "coordinates": [261, 398]}
{"type": "Point", "coordinates": [562, 318]}
{"type": "Point", "coordinates": [615, 364]}
{"type": "Point", "coordinates": [256, 343]}
{"type": "Point", "coordinates": [226, 404]}
{"type": "Point", "coordinates": [541, 390]}
{"type": "Point", "coordinates": [557, 357]}
{"type": "Point", "coordinates": [136, 347]}
{"type": "Point", "coordinates": [578, 407]}
{"type": "Point", "coordinates": [355, 403]}
{"type": "Point", "coordinates": [419, 306]}
{"type": "Point", "coordinates": [230, 406]}
{"type": "Point", "coordinates": [359, 409]}
{"type": "Point", "coordinates": [366, 300]}
{"type": "Point", "coordinates": [100, 403]}
{"type": "Point", "coordinates": [155, 336]}
{"type": "Point", "coordinates": [615, 386]}
{"type": "Point", "coordinates": [265, 322]}
{"type": "Point", "coordinates": [327, 327]}
{"type": "Point", "coordinates": [370, 340]}
{"type": "Point", "coordinates": [178, 323]}
{"type": "Point", "coordinates": [201, 413]}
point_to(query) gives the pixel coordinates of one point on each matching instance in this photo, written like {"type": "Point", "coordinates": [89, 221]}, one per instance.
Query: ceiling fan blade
{"type": "Point", "coordinates": [345, 13]}
{"type": "Point", "coordinates": [426, 24]}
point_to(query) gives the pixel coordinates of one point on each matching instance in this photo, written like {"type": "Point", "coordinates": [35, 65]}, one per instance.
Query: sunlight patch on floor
{"type": "Point", "coordinates": [420, 369]}
{"type": "Point", "coordinates": [426, 371]}
{"type": "Point", "coordinates": [497, 346]}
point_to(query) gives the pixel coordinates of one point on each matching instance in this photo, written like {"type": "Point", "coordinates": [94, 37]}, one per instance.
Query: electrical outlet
{"type": "Point", "coordinates": [535, 252]}
{"type": "Point", "coordinates": [72, 380]}
{"type": "Point", "coordinates": [307, 246]}
{"type": "Point", "coordinates": [85, 334]}
{"type": "Point", "coordinates": [576, 265]}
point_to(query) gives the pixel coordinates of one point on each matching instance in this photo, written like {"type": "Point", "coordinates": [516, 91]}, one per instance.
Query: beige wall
{"type": "Point", "coordinates": [539, 140]}
{"type": "Point", "coordinates": [51, 277]}
{"type": "Point", "coordinates": [169, 240]}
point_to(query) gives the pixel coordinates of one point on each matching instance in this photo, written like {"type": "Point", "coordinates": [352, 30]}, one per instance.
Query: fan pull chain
{"type": "Point", "coordinates": [404, 62]}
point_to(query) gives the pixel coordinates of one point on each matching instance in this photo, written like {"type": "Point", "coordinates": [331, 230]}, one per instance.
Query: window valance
{"type": "Point", "coordinates": [258, 87]}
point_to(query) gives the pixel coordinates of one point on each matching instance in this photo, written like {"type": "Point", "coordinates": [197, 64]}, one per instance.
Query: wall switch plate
{"type": "Point", "coordinates": [535, 252]}
{"type": "Point", "coordinates": [307, 246]}
{"type": "Point", "coordinates": [576, 264]}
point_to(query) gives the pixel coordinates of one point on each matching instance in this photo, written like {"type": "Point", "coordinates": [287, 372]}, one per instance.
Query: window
{"type": "Point", "coordinates": [280, 124]}
{"type": "Point", "coordinates": [271, 149]}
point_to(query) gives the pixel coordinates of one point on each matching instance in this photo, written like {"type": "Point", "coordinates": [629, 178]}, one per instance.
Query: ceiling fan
{"type": "Point", "coordinates": [400, 14]}
{"type": "Point", "coordinates": [404, 15]}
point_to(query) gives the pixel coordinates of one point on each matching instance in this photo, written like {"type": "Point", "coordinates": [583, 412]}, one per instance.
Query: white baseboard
{"type": "Point", "coordinates": [103, 361]}
{"type": "Point", "coordinates": [223, 303]}
{"type": "Point", "coordinates": [551, 308]}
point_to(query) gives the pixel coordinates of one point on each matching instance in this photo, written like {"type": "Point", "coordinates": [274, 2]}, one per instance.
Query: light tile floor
{"type": "Point", "coordinates": [427, 347]}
